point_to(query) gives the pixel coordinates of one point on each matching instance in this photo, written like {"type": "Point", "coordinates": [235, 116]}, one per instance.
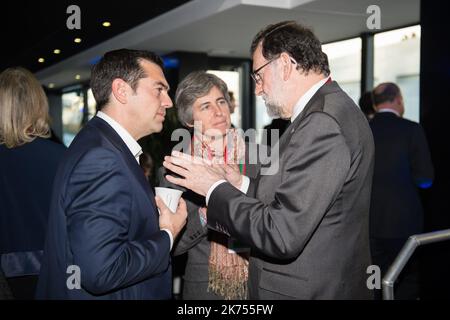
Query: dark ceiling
{"type": "Point", "coordinates": [33, 29]}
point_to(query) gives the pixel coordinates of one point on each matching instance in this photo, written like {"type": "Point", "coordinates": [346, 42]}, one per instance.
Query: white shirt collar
{"type": "Point", "coordinates": [304, 99]}
{"type": "Point", "coordinates": [134, 147]}
{"type": "Point", "coordinates": [389, 110]}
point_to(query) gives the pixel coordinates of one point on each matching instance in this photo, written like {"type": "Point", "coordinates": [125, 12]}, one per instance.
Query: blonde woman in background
{"type": "Point", "coordinates": [28, 163]}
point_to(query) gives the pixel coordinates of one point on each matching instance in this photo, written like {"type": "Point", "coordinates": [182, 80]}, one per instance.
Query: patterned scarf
{"type": "Point", "coordinates": [228, 266]}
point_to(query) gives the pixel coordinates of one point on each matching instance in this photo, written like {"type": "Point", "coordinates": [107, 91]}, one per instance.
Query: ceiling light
{"type": "Point", "coordinates": [51, 85]}
{"type": "Point", "coordinates": [56, 51]}
{"type": "Point", "coordinates": [77, 40]}
{"type": "Point", "coordinates": [106, 24]}
{"type": "Point", "coordinates": [77, 77]}
{"type": "Point", "coordinates": [41, 60]}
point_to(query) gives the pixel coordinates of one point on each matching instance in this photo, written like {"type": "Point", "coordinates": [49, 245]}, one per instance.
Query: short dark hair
{"type": "Point", "coordinates": [146, 163]}
{"type": "Point", "coordinates": [231, 94]}
{"type": "Point", "coordinates": [366, 103]}
{"type": "Point", "coordinates": [296, 40]}
{"type": "Point", "coordinates": [385, 92]}
{"type": "Point", "coordinates": [119, 64]}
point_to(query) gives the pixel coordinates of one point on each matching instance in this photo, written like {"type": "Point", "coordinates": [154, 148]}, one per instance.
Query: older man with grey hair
{"type": "Point", "coordinates": [307, 224]}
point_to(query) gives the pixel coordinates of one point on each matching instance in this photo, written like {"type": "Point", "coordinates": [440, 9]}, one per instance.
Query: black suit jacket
{"type": "Point", "coordinates": [103, 219]}
{"type": "Point", "coordinates": [5, 292]}
{"type": "Point", "coordinates": [402, 162]}
{"type": "Point", "coordinates": [26, 181]}
{"type": "Point", "coordinates": [307, 223]}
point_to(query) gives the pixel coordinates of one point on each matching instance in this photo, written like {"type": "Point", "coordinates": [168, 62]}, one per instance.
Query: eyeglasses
{"type": "Point", "coordinates": [257, 77]}
{"type": "Point", "coordinates": [255, 74]}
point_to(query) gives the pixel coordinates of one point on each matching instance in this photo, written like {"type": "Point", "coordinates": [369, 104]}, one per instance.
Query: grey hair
{"type": "Point", "coordinates": [196, 85]}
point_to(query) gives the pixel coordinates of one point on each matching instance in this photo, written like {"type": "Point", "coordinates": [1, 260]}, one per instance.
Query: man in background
{"type": "Point", "coordinates": [402, 166]}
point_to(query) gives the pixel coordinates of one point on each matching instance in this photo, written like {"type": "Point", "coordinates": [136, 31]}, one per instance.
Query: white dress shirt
{"type": "Point", "coordinates": [134, 147]}
{"type": "Point", "coordinates": [132, 144]}
{"type": "Point", "coordinates": [304, 99]}
{"type": "Point", "coordinates": [244, 187]}
{"type": "Point", "coordinates": [298, 108]}
{"type": "Point", "coordinates": [389, 110]}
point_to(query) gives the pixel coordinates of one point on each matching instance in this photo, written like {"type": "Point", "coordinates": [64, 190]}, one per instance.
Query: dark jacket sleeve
{"type": "Point", "coordinates": [98, 205]}
{"type": "Point", "coordinates": [5, 292]}
{"type": "Point", "coordinates": [315, 166]}
{"type": "Point", "coordinates": [421, 165]}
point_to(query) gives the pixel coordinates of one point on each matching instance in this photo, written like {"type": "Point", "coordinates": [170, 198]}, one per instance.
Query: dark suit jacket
{"type": "Point", "coordinates": [307, 223]}
{"type": "Point", "coordinates": [5, 292]}
{"type": "Point", "coordinates": [26, 182]}
{"type": "Point", "coordinates": [103, 219]}
{"type": "Point", "coordinates": [195, 239]}
{"type": "Point", "coordinates": [402, 161]}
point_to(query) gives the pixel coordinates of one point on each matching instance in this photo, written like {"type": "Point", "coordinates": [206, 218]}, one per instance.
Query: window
{"type": "Point", "coordinates": [72, 115]}
{"type": "Point", "coordinates": [344, 58]}
{"type": "Point", "coordinates": [397, 59]}
{"type": "Point", "coordinates": [231, 78]}
{"type": "Point", "coordinates": [92, 105]}
{"type": "Point", "coordinates": [262, 118]}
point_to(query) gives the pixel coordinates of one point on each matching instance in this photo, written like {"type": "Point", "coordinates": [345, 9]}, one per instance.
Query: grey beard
{"type": "Point", "coordinates": [274, 110]}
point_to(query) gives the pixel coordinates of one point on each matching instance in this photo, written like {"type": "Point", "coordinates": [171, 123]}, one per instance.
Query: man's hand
{"type": "Point", "coordinates": [233, 175]}
{"type": "Point", "coordinates": [169, 220]}
{"type": "Point", "coordinates": [199, 175]}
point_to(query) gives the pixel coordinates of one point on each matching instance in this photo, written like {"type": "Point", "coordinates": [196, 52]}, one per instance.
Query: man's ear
{"type": "Point", "coordinates": [120, 90]}
{"type": "Point", "coordinates": [288, 66]}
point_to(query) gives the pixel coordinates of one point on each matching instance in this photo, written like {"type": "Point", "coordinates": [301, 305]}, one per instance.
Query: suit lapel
{"type": "Point", "coordinates": [315, 104]}
{"type": "Point", "coordinates": [117, 141]}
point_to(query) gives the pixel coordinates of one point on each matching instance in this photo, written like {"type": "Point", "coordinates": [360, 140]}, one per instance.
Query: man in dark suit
{"type": "Point", "coordinates": [402, 166]}
{"type": "Point", "coordinates": [307, 222]}
{"type": "Point", "coordinates": [106, 239]}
